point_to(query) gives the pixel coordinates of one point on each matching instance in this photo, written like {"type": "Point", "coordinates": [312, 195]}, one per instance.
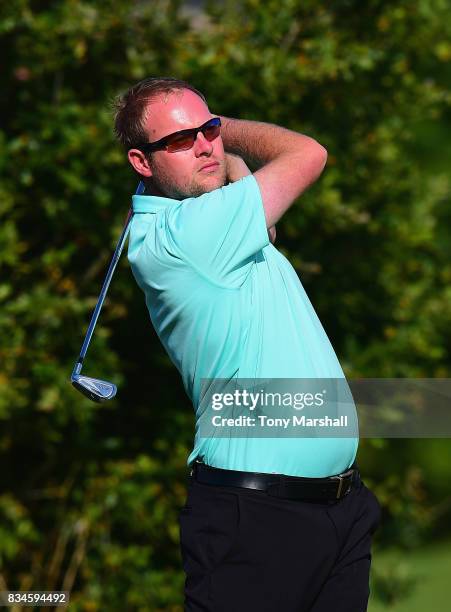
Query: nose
{"type": "Point", "coordinates": [202, 146]}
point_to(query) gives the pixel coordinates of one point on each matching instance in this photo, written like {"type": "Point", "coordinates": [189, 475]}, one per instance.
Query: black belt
{"type": "Point", "coordinates": [278, 485]}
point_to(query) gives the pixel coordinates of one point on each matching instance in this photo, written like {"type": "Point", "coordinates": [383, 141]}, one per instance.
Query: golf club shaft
{"type": "Point", "coordinates": [106, 284]}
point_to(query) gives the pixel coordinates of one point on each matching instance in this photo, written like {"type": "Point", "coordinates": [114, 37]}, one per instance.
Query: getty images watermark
{"type": "Point", "coordinates": [254, 401]}
{"type": "Point", "coordinates": [277, 408]}
{"type": "Point", "coordinates": [325, 407]}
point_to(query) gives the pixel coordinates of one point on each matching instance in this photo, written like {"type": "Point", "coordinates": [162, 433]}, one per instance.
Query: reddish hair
{"type": "Point", "coordinates": [130, 108]}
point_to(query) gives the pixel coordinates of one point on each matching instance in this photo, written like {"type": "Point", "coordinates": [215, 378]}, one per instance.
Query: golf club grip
{"type": "Point", "coordinates": [106, 284]}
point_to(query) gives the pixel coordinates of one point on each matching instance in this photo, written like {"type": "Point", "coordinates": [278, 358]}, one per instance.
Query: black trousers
{"type": "Point", "coordinates": [244, 551]}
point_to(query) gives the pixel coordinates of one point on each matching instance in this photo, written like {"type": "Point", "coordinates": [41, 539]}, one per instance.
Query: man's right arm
{"type": "Point", "coordinates": [288, 162]}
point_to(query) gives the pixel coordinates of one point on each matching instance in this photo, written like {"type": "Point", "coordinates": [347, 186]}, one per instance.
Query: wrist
{"type": "Point", "coordinates": [240, 139]}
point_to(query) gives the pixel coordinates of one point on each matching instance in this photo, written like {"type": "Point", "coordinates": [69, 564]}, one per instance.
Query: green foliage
{"type": "Point", "coordinates": [90, 493]}
{"type": "Point", "coordinates": [393, 583]}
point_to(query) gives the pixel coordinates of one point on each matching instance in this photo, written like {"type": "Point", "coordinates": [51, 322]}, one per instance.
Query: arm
{"type": "Point", "coordinates": [288, 162]}
{"type": "Point", "coordinates": [236, 169]}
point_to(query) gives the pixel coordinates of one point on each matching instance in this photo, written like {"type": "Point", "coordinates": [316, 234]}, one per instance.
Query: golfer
{"type": "Point", "coordinates": [270, 524]}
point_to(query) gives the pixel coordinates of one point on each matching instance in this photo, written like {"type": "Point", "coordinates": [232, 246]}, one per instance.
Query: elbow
{"type": "Point", "coordinates": [317, 159]}
{"type": "Point", "coordinates": [320, 158]}
{"type": "Point", "coordinates": [316, 154]}
{"type": "Point", "coordinates": [322, 153]}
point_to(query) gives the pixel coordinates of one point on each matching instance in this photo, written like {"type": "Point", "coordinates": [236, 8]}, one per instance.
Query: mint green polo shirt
{"type": "Point", "coordinates": [227, 304]}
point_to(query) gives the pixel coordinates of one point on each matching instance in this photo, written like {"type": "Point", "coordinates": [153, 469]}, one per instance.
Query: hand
{"type": "Point", "coordinates": [236, 168]}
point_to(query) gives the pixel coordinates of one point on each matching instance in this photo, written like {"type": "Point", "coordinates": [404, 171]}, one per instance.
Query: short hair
{"type": "Point", "coordinates": [130, 107]}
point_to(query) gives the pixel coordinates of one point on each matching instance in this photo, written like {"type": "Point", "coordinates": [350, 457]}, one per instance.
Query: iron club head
{"type": "Point", "coordinates": [95, 389]}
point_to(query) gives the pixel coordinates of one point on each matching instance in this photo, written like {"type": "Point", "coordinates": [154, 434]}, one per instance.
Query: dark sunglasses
{"type": "Point", "coordinates": [184, 139]}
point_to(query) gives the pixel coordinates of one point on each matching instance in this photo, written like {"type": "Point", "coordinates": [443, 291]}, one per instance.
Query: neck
{"type": "Point", "coordinates": [152, 189]}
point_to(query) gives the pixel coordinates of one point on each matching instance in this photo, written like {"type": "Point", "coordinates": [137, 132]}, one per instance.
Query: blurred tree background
{"type": "Point", "coordinates": [89, 493]}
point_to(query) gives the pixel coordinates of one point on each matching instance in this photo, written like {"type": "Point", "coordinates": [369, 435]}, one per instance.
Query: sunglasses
{"type": "Point", "coordinates": [184, 139]}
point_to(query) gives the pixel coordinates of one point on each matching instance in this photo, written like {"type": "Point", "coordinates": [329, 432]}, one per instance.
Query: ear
{"type": "Point", "coordinates": [139, 162]}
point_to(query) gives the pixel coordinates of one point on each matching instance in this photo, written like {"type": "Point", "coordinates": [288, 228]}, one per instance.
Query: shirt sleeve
{"type": "Point", "coordinates": [220, 232]}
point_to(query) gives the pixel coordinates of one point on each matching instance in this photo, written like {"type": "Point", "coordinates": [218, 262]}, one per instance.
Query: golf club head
{"type": "Point", "coordinates": [95, 389]}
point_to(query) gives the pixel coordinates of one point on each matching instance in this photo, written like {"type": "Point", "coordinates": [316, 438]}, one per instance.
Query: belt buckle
{"type": "Point", "coordinates": [340, 486]}
{"type": "Point", "coordinates": [341, 478]}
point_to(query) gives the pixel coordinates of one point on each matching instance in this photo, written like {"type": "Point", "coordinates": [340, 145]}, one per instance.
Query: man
{"type": "Point", "coordinates": [270, 524]}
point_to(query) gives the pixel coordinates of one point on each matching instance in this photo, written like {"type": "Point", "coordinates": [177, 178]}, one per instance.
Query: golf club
{"type": "Point", "coordinates": [95, 389]}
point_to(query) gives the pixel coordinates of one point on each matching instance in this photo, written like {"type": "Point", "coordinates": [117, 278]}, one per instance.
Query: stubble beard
{"type": "Point", "coordinates": [165, 184]}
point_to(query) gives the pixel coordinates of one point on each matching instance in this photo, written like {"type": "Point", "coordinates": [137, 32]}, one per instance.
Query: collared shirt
{"type": "Point", "coordinates": [227, 304]}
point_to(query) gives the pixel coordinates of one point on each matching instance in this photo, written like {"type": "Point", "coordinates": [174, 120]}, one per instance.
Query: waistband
{"type": "Point", "coordinates": [331, 488]}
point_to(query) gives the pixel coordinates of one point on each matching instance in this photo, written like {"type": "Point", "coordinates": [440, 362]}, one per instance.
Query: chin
{"type": "Point", "coordinates": [210, 184]}
{"type": "Point", "coordinates": [215, 185]}
{"type": "Point", "coordinates": [217, 181]}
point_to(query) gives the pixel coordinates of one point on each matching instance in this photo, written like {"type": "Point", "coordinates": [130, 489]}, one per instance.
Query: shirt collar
{"type": "Point", "coordinates": [151, 204]}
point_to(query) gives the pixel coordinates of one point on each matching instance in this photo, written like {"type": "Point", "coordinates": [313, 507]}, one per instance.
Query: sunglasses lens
{"type": "Point", "coordinates": [211, 132]}
{"type": "Point", "coordinates": [180, 143]}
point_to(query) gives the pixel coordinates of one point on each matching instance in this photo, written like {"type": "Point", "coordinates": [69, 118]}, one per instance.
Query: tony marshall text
{"type": "Point", "coordinates": [265, 421]}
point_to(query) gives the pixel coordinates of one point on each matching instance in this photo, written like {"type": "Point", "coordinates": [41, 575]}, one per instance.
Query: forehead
{"type": "Point", "coordinates": [175, 111]}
